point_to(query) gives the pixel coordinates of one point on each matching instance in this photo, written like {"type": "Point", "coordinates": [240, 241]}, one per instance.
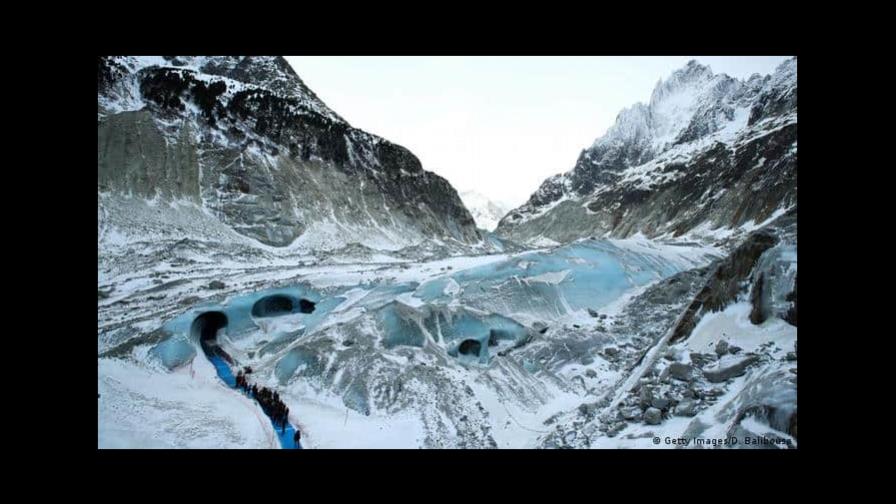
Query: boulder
{"type": "Point", "coordinates": [216, 284]}
{"type": "Point", "coordinates": [615, 429]}
{"type": "Point", "coordinates": [653, 416]}
{"type": "Point", "coordinates": [686, 408]}
{"type": "Point", "coordinates": [660, 403]}
{"type": "Point", "coordinates": [590, 373]}
{"type": "Point", "coordinates": [645, 397]}
{"type": "Point", "coordinates": [588, 409]}
{"type": "Point", "coordinates": [701, 359]}
{"type": "Point", "coordinates": [680, 371]}
{"type": "Point", "coordinates": [726, 369]}
{"type": "Point", "coordinates": [630, 413]}
{"type": "Point", "coordinates": [721, 348]}
{"type": "Point", "coordinates": [593, 313]}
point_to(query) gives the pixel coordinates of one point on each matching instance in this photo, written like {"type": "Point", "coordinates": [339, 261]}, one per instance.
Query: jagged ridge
{"type": "Point", "coordinates": [707, 151]}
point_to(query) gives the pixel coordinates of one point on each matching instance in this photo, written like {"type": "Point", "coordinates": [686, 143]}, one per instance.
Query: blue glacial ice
{"type": "Point", "coordinates": [301, 360]}
{"type": "Point", "coordinates": [174, 351]}
{"type": "Point", "coordinates": [399, 326]}
{"type": "Point", "coordinates": [588, 274]}
{"type": "Point", "coordinates": [184, 331]}
{"type": "Point", "coordinates": [472, 313]}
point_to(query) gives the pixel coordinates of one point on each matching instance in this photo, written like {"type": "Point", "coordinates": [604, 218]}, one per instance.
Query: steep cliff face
{"type": "Point", "coordinates": [707, 152]}
{"type": "Point", "coordinates": [244, 139]}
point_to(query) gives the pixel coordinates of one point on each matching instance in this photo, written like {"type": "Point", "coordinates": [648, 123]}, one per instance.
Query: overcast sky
{"type": "Point", "coordinates": [497, 125]}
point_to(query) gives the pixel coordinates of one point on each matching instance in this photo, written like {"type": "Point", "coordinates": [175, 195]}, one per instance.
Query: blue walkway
{"type": "Point", "coordinates": [226, 374]}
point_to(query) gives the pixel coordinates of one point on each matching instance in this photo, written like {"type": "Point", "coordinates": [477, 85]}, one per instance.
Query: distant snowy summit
{"type": "Point", "coordinates": [707, 153]}
{"type": "Point", "coordinates": [485, 212]}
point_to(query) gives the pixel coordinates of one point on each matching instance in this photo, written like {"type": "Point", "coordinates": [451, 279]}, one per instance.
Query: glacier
{"type": "Point", "coordinates": [534, 348]}
{"type": "Point", "coordinates": [338, 338]}
{"type": "Point", "coordinates": [650, 293]}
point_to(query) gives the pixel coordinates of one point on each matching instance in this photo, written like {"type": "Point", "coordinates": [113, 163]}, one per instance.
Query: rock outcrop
{"type": "Point", "coordinates": [244, 139]}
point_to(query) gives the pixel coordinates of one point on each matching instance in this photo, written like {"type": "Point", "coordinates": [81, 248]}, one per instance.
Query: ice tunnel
{"type": "Point", "coordinates": [280, 304]}
{"type": "Point", "coordinates": [201, 324]}
{"type": "Point", "coordinates": [470, 347]}
{"type": "Point", "coordinates": [205, 328]}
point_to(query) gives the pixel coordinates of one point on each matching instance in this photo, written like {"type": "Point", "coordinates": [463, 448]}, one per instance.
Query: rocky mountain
{"type": "Point", "coordinates": [485, 212]}
{"type": "Point", "coordinates": [707, 154]}
{"type": "Point", "coordinates": [243, 141]}
{"type": "Point", "coordinates": [243, 224]}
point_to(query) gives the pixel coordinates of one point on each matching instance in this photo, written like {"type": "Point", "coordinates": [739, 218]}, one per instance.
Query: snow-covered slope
{"type": "Point", "coordinates": [706, 152]}
{"type": "Point", "coordinates": [245, 142]}
{"type": "Point", "coordinates": [485, 212]}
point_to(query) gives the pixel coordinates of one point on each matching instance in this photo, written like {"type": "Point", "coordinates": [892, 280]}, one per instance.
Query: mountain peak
{"type": "Point", "coordinates": [690, 118]}
{"type": "Point", "coordinates": [485, 211]}
{"type": "Point", "coordinates": [692, 74]}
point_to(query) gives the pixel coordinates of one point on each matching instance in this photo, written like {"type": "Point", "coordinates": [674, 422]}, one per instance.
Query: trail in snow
{"type": "Point", "coordinates": [226, 374]}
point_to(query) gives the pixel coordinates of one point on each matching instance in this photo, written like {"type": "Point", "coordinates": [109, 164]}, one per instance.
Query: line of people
{"type": "Point", "coordinates": [268, 399]}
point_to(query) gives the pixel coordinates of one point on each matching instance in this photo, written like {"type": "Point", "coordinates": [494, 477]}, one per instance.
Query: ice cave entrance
{"type": "Point", "coordinates": [205, 328]}
{"type": "Point", "coordinates": [278, 304]}
{"type": "Point", "coordinates": [470, 347]}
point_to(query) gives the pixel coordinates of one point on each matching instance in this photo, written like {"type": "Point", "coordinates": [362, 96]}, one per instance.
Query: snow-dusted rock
{"type": "Point", "coordinates": [708, 155]}
{"type": "Point", "coordinates": [729, 367]}
{"type": "Point", "coordinates": [246, 141]}
{"type": "Point", "coordinates": [686, 408]}
{"type": "Point", "coordinates": [653, 416]}
{"type": "Point", "coordinates": [680, 371]}
{"type": "Point", "coordinates": [721, 348]}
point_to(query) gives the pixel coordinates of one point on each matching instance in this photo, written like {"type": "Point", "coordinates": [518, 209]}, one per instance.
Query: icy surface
{"type": "Point", "coordinates": [387, 344]}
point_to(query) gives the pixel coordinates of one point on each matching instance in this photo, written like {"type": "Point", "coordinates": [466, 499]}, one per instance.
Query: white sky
{"type": "Point", "coordinates": [497, 125]}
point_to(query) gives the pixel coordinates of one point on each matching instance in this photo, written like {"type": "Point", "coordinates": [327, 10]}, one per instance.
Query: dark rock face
{"type": "Point", "coordinates": [792, 297]}
{"type": "Point", "coordinates": [756, 314]}
{"type": "Point", "coordinates": [245, 137]}
{"type": "Point", "coordinates": [725, 283]}
{"type": "Point", "coordinates": [680, 184]}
